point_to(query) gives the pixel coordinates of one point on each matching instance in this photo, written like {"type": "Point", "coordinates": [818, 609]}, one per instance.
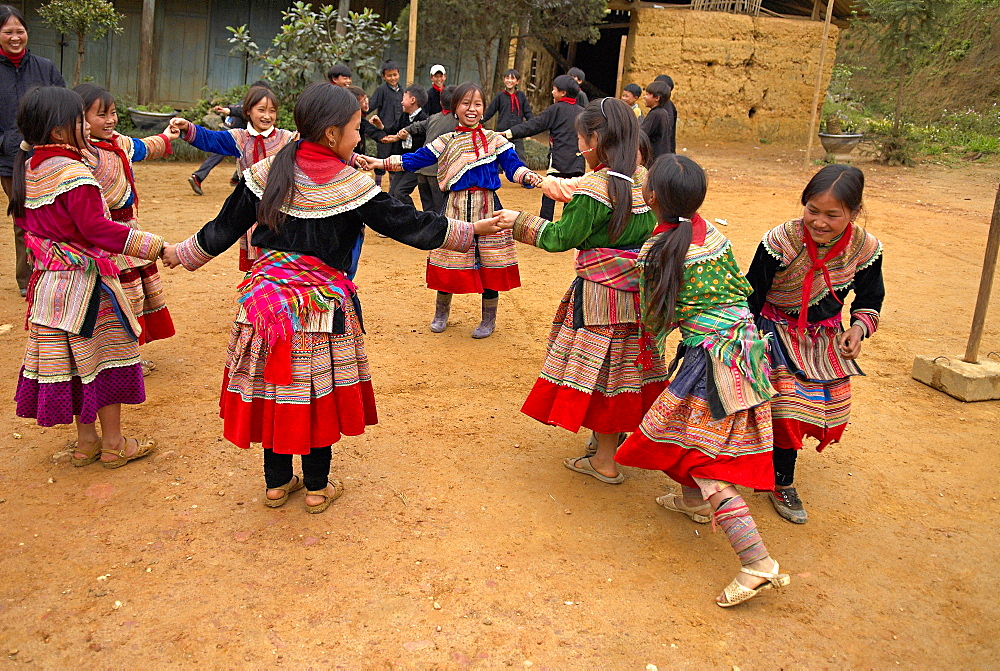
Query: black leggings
{"type": "Point", "coordinates": [784, 466]}
{"type": "Point", "coordinates": [315, 468]}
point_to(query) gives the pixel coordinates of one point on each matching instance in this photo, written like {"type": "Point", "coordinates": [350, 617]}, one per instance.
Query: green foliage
{"type": "Point", "coordinates": [308, 44]}
{"type": "Point", "coordinates": [82, 18]}
{"type": "Point", "coordinates": [536, 155]}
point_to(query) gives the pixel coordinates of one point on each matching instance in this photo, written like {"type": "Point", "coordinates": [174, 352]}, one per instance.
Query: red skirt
{"type": "Point", "coordinates": [472, 280]}
{"type": "Point", "coordinates": [145, 293]}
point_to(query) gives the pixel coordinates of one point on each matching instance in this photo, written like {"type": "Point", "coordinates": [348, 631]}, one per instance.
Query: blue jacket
{"type": "Point", "coordinates": [14, 83]}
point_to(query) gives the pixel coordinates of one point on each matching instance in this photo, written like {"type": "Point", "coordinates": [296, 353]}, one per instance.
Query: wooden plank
{"type": "Point", "coordinates": [819, 83]}
{"type": "Point", "coordinates": [225, 70]}
{"type": "Point", "coordinates": [147, 81]}
{"type": "Point", "coordinates": [985, 285]}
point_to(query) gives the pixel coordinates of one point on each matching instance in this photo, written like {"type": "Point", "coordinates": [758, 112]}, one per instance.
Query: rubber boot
{"type": "Point", "coordinates": [485, 328]}
{"type": "Point", "coordinates": [442, 308]}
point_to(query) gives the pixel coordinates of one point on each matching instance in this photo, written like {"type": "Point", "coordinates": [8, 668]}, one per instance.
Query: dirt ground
{"type": "Point", "coordinates": [462, 541]}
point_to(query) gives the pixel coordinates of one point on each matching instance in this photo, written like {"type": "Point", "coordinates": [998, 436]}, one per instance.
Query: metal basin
{"type": "Point", "coordinates": [840, 144]}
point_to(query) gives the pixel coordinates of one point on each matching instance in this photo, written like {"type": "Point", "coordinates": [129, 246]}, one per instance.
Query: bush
{"type": "Point", "coordinates": [536, 155]}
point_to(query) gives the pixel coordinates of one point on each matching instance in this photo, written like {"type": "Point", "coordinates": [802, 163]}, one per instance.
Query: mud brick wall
{"type": "Point", "coordinates": [736, 77]}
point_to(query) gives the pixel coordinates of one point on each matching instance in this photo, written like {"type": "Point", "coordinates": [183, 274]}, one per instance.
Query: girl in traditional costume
{"type": "Point", "coordinates": [249, 145]}
{"type": "Point", "coordinates": [297, 376]}
{"type": "Point", "coordinates": [469, 162]}
{"type": "Point", "coordinates": [590, 376]}
{"type": "Point", "coordinates": [801, 275]}
{"type": "Point", "coordinates": [711, 428]}
{"type": "Point", "coordinates": [110, 157]}
{"type": "Point", "coordinates": [82, 358]}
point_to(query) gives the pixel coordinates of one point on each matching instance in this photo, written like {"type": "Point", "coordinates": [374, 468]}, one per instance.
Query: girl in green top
{"type": "Point", "coordinates": [589, 377]}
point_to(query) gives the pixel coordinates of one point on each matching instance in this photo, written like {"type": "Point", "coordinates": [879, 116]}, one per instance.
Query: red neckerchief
{"type": "Point", "coordinates": [445, 112]}
{"type": "Point", "coordinates": [437, 88]}
{"type": "Point", "coordinates": [44, 151]}
{"type": "Point", "coordinates": [600, 166]}
{"type": "Point", "coordinates": [14, 58]}
{"type": "Point", "coordinates": [515, 103]}
{"type": "Point", "coordinates": [477, 132]}
{"type": "Point", "coordinates": [320, 164]}
{"type": "Point", "coordinates": [259, 150]}
{"type": "Point", "coordinates": [699, 228]}
{"type": "Point", "coordinates": [819, 264]}
{"type": "Point", "coordinates": [567, 99]}
{"type": "Point", "coordinates": [112, 146]}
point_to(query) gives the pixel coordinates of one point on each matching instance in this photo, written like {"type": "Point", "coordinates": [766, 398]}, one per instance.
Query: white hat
{"type": "Point", "coordinates": [437, 68]}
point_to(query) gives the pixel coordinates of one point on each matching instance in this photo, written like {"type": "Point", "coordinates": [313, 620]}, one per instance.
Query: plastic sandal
{"type": "Point", "coordinates": [293, 485]}
{"type": "Point", "coordinates": [675, 502]}
{"type": "Point", "coordinates": [338, 491]}
{"type": "Point", "coordinates": [142, 450]}
{"type": "Point", "coordinates": [736, 593]}
{"type": "Point", "coordinates": [582, 465]}
{"type": "Point", "coordinates": [89, 459]}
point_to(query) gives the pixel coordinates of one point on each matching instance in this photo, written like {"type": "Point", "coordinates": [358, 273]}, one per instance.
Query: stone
{"type": "Point", "coordinates": [959, 379]}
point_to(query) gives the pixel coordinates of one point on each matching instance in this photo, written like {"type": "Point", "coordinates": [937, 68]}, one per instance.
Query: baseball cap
{"type": "Point", "coordinates": [437, 68]}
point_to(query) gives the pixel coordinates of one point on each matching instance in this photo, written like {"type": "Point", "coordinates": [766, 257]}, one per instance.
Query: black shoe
{"type": "Point", "coordinates": [195, 185]}
{"type": "Point", "coordinates": [788, 504]}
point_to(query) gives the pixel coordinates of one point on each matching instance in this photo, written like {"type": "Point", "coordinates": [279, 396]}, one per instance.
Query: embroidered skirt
{"type": "Point", "coordinates": [804, 407]}
{"type": "Point", "coordinates": [66, 376]}
{"type": "Point", "coordinates": [680, 437]}
{"type": "Point", "coordinates": [143, 288]}
{"type": "Point", "coordinates": [492, 261]}
{"type": "Point", "coordinates": [590, 378]}
{"type": "Point", "coordinates": [330, 394]}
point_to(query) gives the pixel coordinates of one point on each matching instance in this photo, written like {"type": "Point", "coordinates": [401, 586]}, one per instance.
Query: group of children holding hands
{"type": "Point", "coordinates": [763, 359]}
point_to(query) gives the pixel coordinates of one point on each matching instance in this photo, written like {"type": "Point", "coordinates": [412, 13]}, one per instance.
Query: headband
{"type": "Point", "coordinates": [25, 147]}
{"type": "Point", "coordinates": [602, 108]}
{"type": "Point", "coordinates": [619, 175]}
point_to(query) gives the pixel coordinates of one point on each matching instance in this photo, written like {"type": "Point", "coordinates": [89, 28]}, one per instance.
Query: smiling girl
{"type": "Point", "coordinates": [801, 275]}
{"type": "Point", "coordinates": [249, 145]}
{"type": "Point", "coordinates": [110, 157]}
{"type": "Point", "coordinates": [469, 163]}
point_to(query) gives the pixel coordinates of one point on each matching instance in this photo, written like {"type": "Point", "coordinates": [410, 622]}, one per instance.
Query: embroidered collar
{"type": "Point", "coordinates": [44, 151]}
{"type": "Point", "coordinates": [254, 132]}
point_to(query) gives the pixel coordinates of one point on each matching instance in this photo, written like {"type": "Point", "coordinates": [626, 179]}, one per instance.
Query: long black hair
{"type": "Point", "coordinates": [8, 12]}
{"type": "Point", "coordinates": [844, 182]}
{"type": "Point", "coordinates": [42, 110]}
{"type": "Point", "coordinates": [617, 132]}
{"type": "Point", "coordinates": [679, 185]}
{"type": "Point", "coordinates": [92, 93]}
{"type": "Point", "coordinates": [318, 107]}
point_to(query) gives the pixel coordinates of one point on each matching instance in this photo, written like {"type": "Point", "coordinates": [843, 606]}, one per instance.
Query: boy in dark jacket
{"type": "Point", "coordinates": [387, 102]}
{"type": "Point", "coordinates": [661, 122]}
{"type": "Point", "coordinates": [401, 184]}
{"type": "Point", "coordinates": [511, 107]}
{"type": "Point", "coordinates": [558, 118]}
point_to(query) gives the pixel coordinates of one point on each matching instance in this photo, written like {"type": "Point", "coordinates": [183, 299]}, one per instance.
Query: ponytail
{"type": "Point", "coordinates": [15, 208]}
{"type": "Point", "coordinates": [679, 185]}
{"type": "Point", "coordinates": [280, 187]}
{"type": "Point", "coordinates": [617, 132]}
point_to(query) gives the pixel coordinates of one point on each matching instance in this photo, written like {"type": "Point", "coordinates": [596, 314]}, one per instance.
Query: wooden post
{"type": "Point", "coordinates": [985, 285]}
{"type": "Point", "coordinates": [621, 66]}
{"type": "Point", "coordinates": [819, 82]}
{"type": "Point", "coordinates": [146, 53]}
{"type": "Point", "coordinates": [815, 12]}
{"type": "Point", "coordinates": [342, 10]}
{"type": "Point", "coordinates": [411, 53]}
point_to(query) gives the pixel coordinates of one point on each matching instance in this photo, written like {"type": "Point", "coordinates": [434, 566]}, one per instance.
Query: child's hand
{"type": "Point", "coordinates": [403, 134]}
{"type": "Point", "coordinates": [375, 121]}
{"type": "Point", "coordinates": [219, 109]}
{"type": "Point", "coordinates": [489, 226]}
{"type": "Point", "coordinates": [507, 134]}
{"type": "Point", "coordinates": [172, 132]}
{"type": "Point", "coordinates": [180, 124]}
{"type": "Point", "coordinates": [849, 342]}
{"type": "Point", "coordinates": [507, 217]}
{"type": "Point", "coordinates": [169, 256]}
{"type": "Point", "coordinates": [363, 162]}
{"type": "Point", "coordinates": [389, 139]}
{"type": "Point", "coordinates": [533, 179]}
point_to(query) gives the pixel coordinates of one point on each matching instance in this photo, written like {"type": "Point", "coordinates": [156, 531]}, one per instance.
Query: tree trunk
{"type": "Point", "coordinates": [521, 56]}
{"type": "Point", "coordinates": [503, 58]}
{"type": "Point", "coordinates": [79, 59]}
{"type": "Point", "coordinates": [898, 114]}
{"type": "Point", "coordinates": [484, 68]}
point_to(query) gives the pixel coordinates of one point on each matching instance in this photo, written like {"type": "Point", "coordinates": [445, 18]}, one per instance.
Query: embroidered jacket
{"type": "Point", "coordinates": [113, 175]}
{"type": "Point", "coordinates": [74, 244]}
{"type": "Point", "coordinates": [323, 220]}
{"type": "Point", "coordinates": [238, 142]}
{"type": "Point", "coordinates": [779, 268]}
{"type": "Point", "coordinates": [459, 167]}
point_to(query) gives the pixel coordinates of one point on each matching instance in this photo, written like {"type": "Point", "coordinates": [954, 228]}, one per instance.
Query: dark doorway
{"type": "Point", "coordinates": [600, 60]}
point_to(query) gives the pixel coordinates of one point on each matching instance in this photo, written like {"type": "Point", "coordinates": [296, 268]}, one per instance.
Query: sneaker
{"type": "Point", "coordinates": [195, 185]}
{"type": "Point", "coordinates": [788, 504]}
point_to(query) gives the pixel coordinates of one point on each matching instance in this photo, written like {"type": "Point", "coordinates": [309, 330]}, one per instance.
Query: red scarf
{"type": "Point", "coordinates": [819, 264]}
{"type": "Point", "coordinates": [320, 163]}
{"type": "Point", "coordinates": [259, 150]}
{"type": "Point", "coordinates": [112, 146]}
{"type": "Point", "coordinates": [477, 133]}
{"type": "Point", "coordinates": [699, 229]}
{"type": "Point", "coordinates": [14, 58]}
{"type": "Point", "coordinates": [567, 99]}
{"type": "Point", "coordinates": [437, 88]}
{"type": "Point", "coordinates": [515, 103]}
{"type": "Point", "coordinates": [44, 151]}
{"type": "Point", "coordinates": [445, 112]}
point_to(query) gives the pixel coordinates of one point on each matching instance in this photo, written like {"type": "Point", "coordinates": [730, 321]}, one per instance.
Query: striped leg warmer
{"type": "Point", "coordinates": [734, 518]}
{"type": "Point", "coordinates": [692, 493]}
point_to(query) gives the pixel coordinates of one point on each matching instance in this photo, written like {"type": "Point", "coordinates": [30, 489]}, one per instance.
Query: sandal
{"type": "Point", "coordinates": [582, 465]}
{"type": "Point", "coordinates": [147, 366]}
{"type": "Point", "coordinates": [676, 503]}
{"type": "Point", "coordinates": [736, 593]}
{"type": "Point", "coordinates": [338, 491]}
{"type": "Point", "coordinates": [142, 449]}
{"type": "Point", "coordinates": [293, 485]}
{"type": "Point", "coordinates": [591, 448]}
{"type": "Point", "coordinates": [87, 460]}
